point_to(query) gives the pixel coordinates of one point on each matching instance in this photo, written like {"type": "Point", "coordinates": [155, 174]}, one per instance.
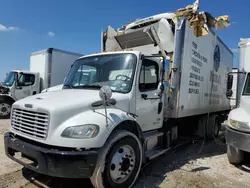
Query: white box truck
{"type": "Point", "coordinates": [48, 68]}
{"type": "Point", "coordinates": [238, 124]}
{"type": "Point", "coordinates": [118, 114]}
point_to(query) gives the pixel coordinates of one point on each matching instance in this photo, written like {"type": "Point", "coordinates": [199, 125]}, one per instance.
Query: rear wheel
{"type": "Point", "coordinates": [119, 162]}
{"type": "Point", "coordinates": [213, 127]}
{"type": "Point", "coordinates": [234, 155]}
{"type": "Point", "coordinates": [5, 109]}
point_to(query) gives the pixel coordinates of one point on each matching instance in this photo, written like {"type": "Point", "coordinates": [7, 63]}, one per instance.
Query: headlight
{"type": "Point", "coordinates": [239, 124]}
{"type": "Point", "coordinates": [81, 131]}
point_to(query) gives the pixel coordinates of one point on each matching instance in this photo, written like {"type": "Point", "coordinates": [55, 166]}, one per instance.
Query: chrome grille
{"type": "Point", "coordinates": [30, 123]}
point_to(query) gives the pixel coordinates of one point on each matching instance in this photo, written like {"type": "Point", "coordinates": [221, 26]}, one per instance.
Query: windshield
{"type": "Point", "coordinates": [246, 90]}
{"type": "Point", "coordinates": [9, 80]}
{"type": "Point", "coordinates": [114, 70]}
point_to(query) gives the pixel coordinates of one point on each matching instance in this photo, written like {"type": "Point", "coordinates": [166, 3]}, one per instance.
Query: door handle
{"type": "Point", "coordinates": [144, 96]}
{"type": "Point", "coordinates": [160, 105]}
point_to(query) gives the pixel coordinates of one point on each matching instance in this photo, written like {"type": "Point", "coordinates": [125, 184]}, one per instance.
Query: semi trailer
{"type": "Point", "coordinates": [48, 68]}
{"type": "Point", "coordinates": [123, 113]}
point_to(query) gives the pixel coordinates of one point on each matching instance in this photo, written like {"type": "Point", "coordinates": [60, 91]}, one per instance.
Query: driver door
{"type": "Point", "coordinates": [149, 95]}
{"type": "Point", "coordinates": [24, 86]}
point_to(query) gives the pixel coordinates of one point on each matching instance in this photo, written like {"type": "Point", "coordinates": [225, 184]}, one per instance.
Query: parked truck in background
{"type": "Point", "coordinates": [238, 126]}
{"type": "Point", "coordinates": [48, 68]}
{"type": "Point", "coordinates": [120, 116]}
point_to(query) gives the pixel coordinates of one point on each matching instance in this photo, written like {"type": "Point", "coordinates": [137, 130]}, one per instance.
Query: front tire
{"type": "Point", "coordinates": [234, 155]}
{"type": "Point", "coordinates": [5, 109]}
{"type": "Point", "coordinates": [119, 161]}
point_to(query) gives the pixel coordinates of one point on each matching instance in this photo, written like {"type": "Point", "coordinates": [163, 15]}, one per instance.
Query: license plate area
{"type": "Point", "coordinates": [19, 156]}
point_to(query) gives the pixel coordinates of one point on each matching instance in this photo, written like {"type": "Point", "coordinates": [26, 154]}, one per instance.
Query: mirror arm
{"type": "Point", "coordinates": [105, 94]}
{"type": "Point", "coordinates": [105, 107]}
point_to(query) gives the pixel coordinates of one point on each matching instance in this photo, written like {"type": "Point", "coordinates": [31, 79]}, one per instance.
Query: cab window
{"type": "Point", "coordinates": [149, 75]}
{"type": "Point", "coordinates": [26, 80]}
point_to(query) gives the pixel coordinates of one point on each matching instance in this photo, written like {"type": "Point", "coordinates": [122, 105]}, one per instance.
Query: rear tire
{"type": "Point", "coordinates": [234, 155]}
{"type": "Point", "coordinates": [119, 161]}
{"type": "Point", "coordinates": [5, 109]}
{"type": "Point", "coordinates": [213, 127]}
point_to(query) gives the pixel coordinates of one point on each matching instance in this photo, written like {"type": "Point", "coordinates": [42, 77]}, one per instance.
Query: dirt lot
{"type": "Point", "coordinates": [192, 166]}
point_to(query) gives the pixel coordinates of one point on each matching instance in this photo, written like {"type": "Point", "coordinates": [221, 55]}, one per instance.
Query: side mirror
{"type": "Point", "coordinates": [105, 93]}
{"type": "Point", "coordinates": [229, 81]}
{"type": "Point", "coordinates": [229, 93]}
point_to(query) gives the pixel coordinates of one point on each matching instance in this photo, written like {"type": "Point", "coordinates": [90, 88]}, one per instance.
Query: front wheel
{"type": "Point", "coordinates": [119, 161]}
{"type": "Point", "coordinates": [234, 155]}
{"type": "Point", "coordinates": [5, 109]}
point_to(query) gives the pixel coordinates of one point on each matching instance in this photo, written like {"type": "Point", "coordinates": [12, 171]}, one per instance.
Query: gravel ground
{"type": "Point", "coordinates": [196, 165]}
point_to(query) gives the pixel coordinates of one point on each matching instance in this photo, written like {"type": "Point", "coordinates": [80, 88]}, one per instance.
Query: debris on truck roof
{"type": "Point", "coordinates": [131, 34]}
{"type": "Point", "coordinates": [201, 21]}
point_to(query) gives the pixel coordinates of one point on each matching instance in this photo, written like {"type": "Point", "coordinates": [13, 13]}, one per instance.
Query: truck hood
{"type": "Point", "coordinates": [54, 88]}
{"type": "Point", "coordinates": [61, 98]}
{"type": "Point", "coordinates": [61, 109]}
{"type": "Point", "coordinates": [66, 99]}
{"type": "Point", "coordinates": [64, 104]}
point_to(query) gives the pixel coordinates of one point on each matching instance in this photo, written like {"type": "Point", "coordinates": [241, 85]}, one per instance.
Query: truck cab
{"type": "Point", "coordinates": [18, 84]}
{"type": "Point", "coordinates": [238, 128]}
{"type": "Point", "coordinates": [82, 119]}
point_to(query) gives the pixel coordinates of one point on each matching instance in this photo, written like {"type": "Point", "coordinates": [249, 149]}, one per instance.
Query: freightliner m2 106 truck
{"type": "Point", "coordinates": [48, 68]}
{"type": "Point", "coordinates": [238, 128]}
{"type": "Point", "coordinates": [122, 116]}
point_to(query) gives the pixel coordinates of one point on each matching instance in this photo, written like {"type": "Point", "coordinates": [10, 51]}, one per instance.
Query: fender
{"type": "Point", "coordinates": [4, 97]}
{"type": "Point", "coordinates": [129, 123]}
{"type": "Point", "coordinates": [120, 120]}
{"type": "Point", "coordinates": [117, 119]}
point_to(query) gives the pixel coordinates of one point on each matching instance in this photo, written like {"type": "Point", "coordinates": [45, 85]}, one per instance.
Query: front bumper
{"type": "Point", "coordinates": [237, 139]}
{"type": "Point", "coordinates": [51, 161]}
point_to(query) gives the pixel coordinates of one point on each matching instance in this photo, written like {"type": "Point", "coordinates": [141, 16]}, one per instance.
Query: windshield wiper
{"type": "Point", "coordinates": [96, 86]}
{"type": "Point", "coordinates": [67, 85]}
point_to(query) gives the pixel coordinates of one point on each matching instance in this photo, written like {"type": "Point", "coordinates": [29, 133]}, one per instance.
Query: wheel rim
{"type": "Point", "coordinates": [4, 109]}
{"type": "Point", "coordinates": [122, 164]}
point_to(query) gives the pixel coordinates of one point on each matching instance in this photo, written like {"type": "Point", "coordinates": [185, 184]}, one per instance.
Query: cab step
{"type": "Point", "coordinates": [152, 134]}
{"type": "Point", "coordinates": [155, 153]}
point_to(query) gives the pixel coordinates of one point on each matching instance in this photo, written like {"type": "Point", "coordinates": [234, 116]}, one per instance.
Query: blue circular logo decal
{"type": "Point", "coordinates": [216, 58]}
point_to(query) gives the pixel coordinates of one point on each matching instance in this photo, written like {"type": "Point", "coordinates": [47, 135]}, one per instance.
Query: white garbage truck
{"type": "Point", "coordinates": [48, 68]}
{"type": "Point", "coordinates": [238, 124]}
{"type": "Point", "coordinates": [107, 124]}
